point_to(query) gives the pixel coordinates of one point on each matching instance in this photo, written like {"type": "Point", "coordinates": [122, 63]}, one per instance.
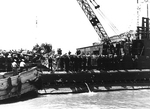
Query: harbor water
{"type": "Point", "coordinates": [125, 99]}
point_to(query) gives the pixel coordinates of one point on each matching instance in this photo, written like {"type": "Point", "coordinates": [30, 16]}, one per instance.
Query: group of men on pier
{"type": "Point", "coordinates": [112, 58]}
{"type": "Point", "coordinates": [16, 62]}
{"type": "Point", "coordinates": [88, 62]}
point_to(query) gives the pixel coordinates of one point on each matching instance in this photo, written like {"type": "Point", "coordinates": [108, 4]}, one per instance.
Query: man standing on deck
{"type": "Point", "coordinates": [66, 62]}
{"type": "Point", "coordinates": [89, 61]}
{"type": "Point", "coordinates": [50, 61]}
{"type": "Point", "coordinates": [84, 61]}
{"type": "Point", "coordinates": [22, 65]}
{"type": "Point", "coordinates": [14, 67]}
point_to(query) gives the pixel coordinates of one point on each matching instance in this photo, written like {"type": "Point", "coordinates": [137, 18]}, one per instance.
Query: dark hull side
{"type": "Point", "coordinates": [107, 79]}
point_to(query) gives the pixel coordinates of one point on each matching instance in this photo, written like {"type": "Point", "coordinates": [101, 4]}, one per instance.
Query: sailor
{"type": "Point", "coordinates": [115, 62]}
{"type": "Point", "coordinates": [2, 61]}
{"type": "Point", "coordinates": [57, 60]}
{"type": "Point", "coordinates": [89, 61]}
{"type": "Point", "coordinates": [126, 48]}
{"type": "Point", "coordinates": [75, 65]}
{"type": "Point", "coordinates": [70, 56]}
{"type": "Point", "coordinates": [84, 61]}
{"type": "Point", "coordinates": [99, 62]}
{"type": "Point", "coordinates": [106, 62]}
{"type": "Point", "coordinates": [110, 61]}
{"type": "Point", "coordinates": [50, 61]}
{"type": "Point", "coordinates": [102, 62]}
{"type": "Point", "coordinates": [118, 46]}
{"type": "Point", "coordinates": [112, 48]}
{"type": "Point", "coordinates": [66, 62]}
{"type": "Point", "coordinates": [9, 60]}
{"type": "Point", "coordinates": [14, 67]}
{"type": "Point", "coordinates": [22, 65]}
{"type": "Point", "coordinates": [135, 61]}
{"type": "Point", "coordinates": [61, 62]}
{"type": "Point", "coordinates": [105, 48]}
{"type": "Point", "coordinates": [79, 62]}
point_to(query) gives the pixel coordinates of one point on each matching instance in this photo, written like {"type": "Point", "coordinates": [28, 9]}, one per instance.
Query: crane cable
{"type": "Point", "coordinates": [112, 26]}
{"type": "Point", "coordinates": [107, 21]}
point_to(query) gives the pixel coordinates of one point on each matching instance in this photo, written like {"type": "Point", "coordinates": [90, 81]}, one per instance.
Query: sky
{"type": "Point", "coordinates": [61, 23]}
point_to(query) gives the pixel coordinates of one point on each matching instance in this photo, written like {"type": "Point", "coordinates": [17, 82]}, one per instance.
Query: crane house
{"type": "Point", "coordinates": [95, 49]}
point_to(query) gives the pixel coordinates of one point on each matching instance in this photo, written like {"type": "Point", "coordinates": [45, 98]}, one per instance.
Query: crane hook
{"type": "Point", "coordinates": [95, 5]}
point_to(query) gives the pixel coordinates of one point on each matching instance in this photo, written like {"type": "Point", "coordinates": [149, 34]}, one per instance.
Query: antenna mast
{"type": "Point", "coordinates": [138, 8]}
{"type": "Point", "coordinates": [147, 10]}
{"type": "Point", "coordinates": [36, 22]}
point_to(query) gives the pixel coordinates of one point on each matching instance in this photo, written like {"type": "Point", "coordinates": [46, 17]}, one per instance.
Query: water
{"type": "Point", "coordinates": [126, 99]}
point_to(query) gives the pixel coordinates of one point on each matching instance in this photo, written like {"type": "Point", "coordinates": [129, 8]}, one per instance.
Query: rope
{"type": "Point", "coordinates": [111, 25]}
{"type": "Point", "coordinates": [100, 13]}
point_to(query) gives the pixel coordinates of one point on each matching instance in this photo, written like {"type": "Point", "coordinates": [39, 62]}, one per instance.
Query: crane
{"type": "Point", "coordinates": [93, 18]}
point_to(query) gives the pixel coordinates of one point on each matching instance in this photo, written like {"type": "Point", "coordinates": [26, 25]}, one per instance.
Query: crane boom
{"type": "Point", "coordinates": [93, 19]}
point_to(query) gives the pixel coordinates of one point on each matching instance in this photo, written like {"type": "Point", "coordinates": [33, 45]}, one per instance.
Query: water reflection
{"type": "Point", "coordinates": [127, 99]}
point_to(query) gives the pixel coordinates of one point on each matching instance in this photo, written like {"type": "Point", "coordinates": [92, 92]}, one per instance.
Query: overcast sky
{"type": "Point", "coordinates": [61, 23]}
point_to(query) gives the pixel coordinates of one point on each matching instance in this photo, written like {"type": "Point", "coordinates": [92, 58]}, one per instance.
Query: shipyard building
{"type": "Point", "coordinates": [97, 48]}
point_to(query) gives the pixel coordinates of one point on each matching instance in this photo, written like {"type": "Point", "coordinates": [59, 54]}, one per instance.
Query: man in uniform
{"type": "Point", "coordinates": [66, 62]}
{"type": "Point", "coordinates": [84, 61]}
{"type": "Point", "coordinates": [22, 65]}
{"type": "Point", "coordinates": [50, 61]}
{"type": "Point", "coordinates": [89, 61]}
{"type": "Point", "coordinates": [14, 67]}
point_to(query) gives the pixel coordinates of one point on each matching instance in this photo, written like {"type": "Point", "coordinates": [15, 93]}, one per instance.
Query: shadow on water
{"type": "Point", "coordinates": [24, 97]}
{"type": "Point", "coordinates": [71, 89]}
{"type": "Point", "coordinates": [87, 88]}
{"type": "Point", "coordinates": [84, 88]}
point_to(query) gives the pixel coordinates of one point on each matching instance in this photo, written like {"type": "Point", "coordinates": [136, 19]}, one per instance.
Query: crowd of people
{"type": "Point", "coordinates": [110, 59]}
{"type": "Point", "coordinates": [16, 61]}
{"type": "Point", "coordinates": [83, 62]}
